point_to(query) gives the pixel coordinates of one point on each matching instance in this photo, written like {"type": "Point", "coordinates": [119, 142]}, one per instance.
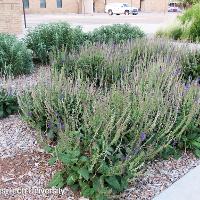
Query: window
{"type": "Point", "coordinates": [42, 3]}
{"type": "Point", "coordinates": [26, 3]}
{"type": "Point", "coordinates": [59, 3]}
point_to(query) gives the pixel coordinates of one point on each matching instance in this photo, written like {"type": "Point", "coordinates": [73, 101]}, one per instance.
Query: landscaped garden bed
{"type": "Point", "coordinates": [108, 109]}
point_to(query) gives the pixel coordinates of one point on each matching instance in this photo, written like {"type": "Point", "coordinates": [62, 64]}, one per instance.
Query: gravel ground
{"type": "Point", "coordinates": [25, 81]}
{"type": "Point", "coordinates": [24, 165]}
{"type": "Point", "coordinates": [15, 137]}
{"type": "Point", "coordinates": [158, 176]}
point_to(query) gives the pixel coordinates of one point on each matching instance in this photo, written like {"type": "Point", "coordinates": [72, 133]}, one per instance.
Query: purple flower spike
{"type": "Point", "coordinates": [63, 61]}
{"type": "Point", "coordinates": [56, 113]}
{"type": "Point", "coordinates": [177, 72]}
{"type": "Point", "coordinates": [174, 143]}
{"type": "Point", "coordinates": [136, 151]}
{"type": "Point", "coordinates": [49, 125]}
{"type": "Point", "coordinates": [62, 126]}
{"type": "Point", "coordinates": [30, 114]}
{"type": "Point", "coordinates": [123, 69]}
{"type": "Point", "coordinates": [187, 87]}
{"type": "Point", "coordinates": [161, 69]}
{"type": "Point", "coordinates": [143, 136]}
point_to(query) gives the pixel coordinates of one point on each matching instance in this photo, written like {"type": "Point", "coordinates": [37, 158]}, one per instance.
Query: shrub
{"type": "Point", "coordinates": [99, 64]}
{"type": "Point", "coordinates": [175, 32]}
{"type": "Point", "coordinates": [15, 58]}
{"type": "Point", "coordinates": [106, 64]}
{"type": "Point", "coordinates": [191, 23]}
{"type": "Point", "coordinates": [187, 28]}
{"type": "Point", "coordinates": [8, 103]}
{"type": "Point", "coordinates": [44, 38]}
{"type": "Point", "coordinates": [104, 137]}
{"type": "Point", "coordinates": [116, 34]}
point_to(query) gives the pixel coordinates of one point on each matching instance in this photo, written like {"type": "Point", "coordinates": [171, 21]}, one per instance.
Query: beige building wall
{"type": "Point", "coordinates": [86, 6]}
{"type": "Point", "coordinates": [10, 16]}
{"type": "Point", "coordinates": [68, 6]}
{"type": "Point", "coordinates": [154, 5]}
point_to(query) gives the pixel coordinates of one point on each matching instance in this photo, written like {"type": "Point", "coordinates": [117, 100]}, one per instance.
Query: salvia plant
{"type": "Point", "coordinates": [106, 64]}
{"type": "Point", "coordinates": [103, 136]}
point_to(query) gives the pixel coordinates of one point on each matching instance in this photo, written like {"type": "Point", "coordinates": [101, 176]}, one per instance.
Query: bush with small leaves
{"type": "Point", "coordinates": [46, 37]}
{"type": "Point", "coordinates": [15, 58]}
{"type": "Point", "coordinates": [116, 34]}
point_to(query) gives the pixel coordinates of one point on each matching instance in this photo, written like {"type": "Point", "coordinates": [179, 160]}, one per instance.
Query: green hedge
{"type": "Point", "coordinates": [53, 36]}
{"type": "Point", "coordinates": [15, 58]}
{"type": "Point", "coordinates": [116, 34]}
{"type": "Point", "coordinates": [46, 38]}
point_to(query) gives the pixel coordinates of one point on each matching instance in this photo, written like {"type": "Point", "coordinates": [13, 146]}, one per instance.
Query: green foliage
{"type": "Point", "coordinates": [105, 64]}
{"type": "Point", "coordinates": [116, 34]}
{"type": "Point", "coordinates": [15, 58]}
{"type": "Point", "coordinates": [104, 135]}
{"type": "Point", "coordinates": [175, 32]}
{"type": "Point", "coordinates": [8, 103]}
{"type": "Point", "coordinates": [190, 61]}
{"type": "Point", "coordinates": [190, 140]}
{"type": "Point", "coordinates": [46, 37]}
{"type": "Point", "coordinates": [92, 63]}
{"type": "Point", "coordinates": [171, 151]}
{"type": "Point", "coordinates": [188, 27]}
{"type": "Point", "coordinates": [189, 2]}
{"type": "Point", "coordinates": [191, 23]}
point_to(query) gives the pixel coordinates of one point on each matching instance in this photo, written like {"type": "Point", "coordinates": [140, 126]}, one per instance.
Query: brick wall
{"type": "Point", "coordinates": [10, 16]}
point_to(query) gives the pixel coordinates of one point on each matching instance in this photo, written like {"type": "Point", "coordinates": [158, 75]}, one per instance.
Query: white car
{"type": "Point", "coordinates": [120, 8]}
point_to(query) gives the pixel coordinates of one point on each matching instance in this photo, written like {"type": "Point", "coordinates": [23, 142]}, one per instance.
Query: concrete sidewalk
{"type": "Point", "coordinates": [187, 188]}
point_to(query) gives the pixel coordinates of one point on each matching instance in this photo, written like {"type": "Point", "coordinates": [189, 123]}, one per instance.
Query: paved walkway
{"type": "Point", "coordinates": [187, 188]}
{"type": "Point", "coordinates": [148, 22]}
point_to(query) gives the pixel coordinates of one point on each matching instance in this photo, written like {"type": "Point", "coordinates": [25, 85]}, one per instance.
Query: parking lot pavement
{"type": "Point", "coordinates": [149, 22]}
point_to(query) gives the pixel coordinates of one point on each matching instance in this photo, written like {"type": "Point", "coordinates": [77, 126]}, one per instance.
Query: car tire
{"type": "Point", "coordinates": [110, 12]}
{"type": "Point", "coordinates": [126, 12]}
